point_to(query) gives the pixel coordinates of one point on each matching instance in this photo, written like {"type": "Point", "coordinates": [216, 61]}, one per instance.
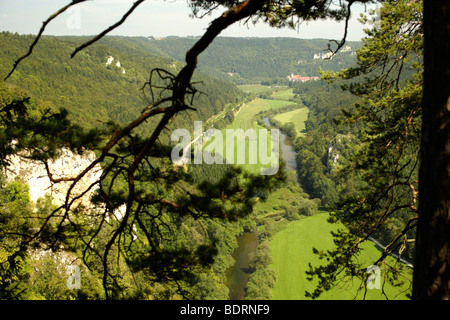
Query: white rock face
{"type": "Point", "coordinates": [332, 156]}
{"type": "Point", "coordinates": [346, 48]}
{"type": "Point", "coordinates": [110, 60]}
{"type": "Point", "coordinates": [66, 166]}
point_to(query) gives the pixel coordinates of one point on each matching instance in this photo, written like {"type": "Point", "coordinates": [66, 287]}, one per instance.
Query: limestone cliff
{"type": "Point", "coordinates": [66, 165]}
{"type": "Point", "coordinates": [338, 150]}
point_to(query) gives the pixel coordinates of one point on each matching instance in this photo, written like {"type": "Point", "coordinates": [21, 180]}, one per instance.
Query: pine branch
{"type": "Point", "coordinates": [107, 30]}
{"type": "Point", "coordinates": [341, 43]}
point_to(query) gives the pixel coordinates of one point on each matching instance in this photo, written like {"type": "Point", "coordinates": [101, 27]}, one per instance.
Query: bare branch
{"type": "Point", "coordinates": [106, 31]}
{"type": "Point", "coordinates": [341, 43]}
{"type": "Point", "coordinates": [411, 224]}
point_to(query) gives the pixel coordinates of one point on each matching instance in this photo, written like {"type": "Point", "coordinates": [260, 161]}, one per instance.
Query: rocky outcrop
{"type": "Point", "coordinates": [110, 60]}
{"type": "Point", "coordinates": [68, 164]}
{"type": "Point", "coordinates": [329, 55]}
{"type": "Point", "coordinates": [338, 148]}
{"type": "Point", "coordinates": [332, 155]}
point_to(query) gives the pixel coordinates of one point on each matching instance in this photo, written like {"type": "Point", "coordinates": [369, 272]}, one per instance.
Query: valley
{"type": "Point", "coordinates": [292, 239]}
{"type": "Point", "coordinates": [203, 231]}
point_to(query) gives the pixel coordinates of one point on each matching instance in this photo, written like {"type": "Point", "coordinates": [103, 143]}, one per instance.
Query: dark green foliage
{"type": "Point", "coordinates": [156, 239]}
{"type": "Point", "coordinates": [96, 94]}
{"type": "Point", "coordinates": [380, 199]}
{"type": "Point", "coordinates": [291, 212]}
{"type": "Point", "coordinates": [260, 284]}
{"type": "Point", "coordinates": [308, 207]}
{"type": "Point", "coordinates": [324, 140]}
{"type": "Point", "coordinates": [15, 222]}
{"type": "Point", "coordinates": [262, 280]}
{"type": "Point", "coordinates": [261, 257]}
{"type": "Point", "coordinates": [25, 126]}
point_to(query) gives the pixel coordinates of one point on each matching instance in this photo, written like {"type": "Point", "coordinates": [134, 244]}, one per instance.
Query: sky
{"type": "Point", "coordinates": [159, 18]}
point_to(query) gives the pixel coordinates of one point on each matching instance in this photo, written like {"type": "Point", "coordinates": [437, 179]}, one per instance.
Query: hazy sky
{"type": "Point", "coordinates": [152, 18]}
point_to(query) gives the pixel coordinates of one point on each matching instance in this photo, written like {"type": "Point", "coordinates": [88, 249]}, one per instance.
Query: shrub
{"type": "Point", "coordinates": [308, 207]}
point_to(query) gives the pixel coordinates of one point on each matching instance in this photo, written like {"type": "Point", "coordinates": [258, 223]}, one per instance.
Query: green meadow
{"type": "Point", "coordinates": [297, 116]}
{"type": "Point", "coordinates": [292, 242]}
{"type": "Point", "coordinates": [283, 94]}
{"type": "Point", "coordinates": [292, 251]}
{"type": "Point", "coordinates": [245, 119]}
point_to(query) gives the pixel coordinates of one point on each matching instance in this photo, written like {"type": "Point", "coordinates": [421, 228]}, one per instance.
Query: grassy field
{"type": "Point", "coordinates": [292, 251]}
{"type": "Point", "coordinates": [292, 245]}
{"type": "Point", "coordinates": [297, 116]}
{"type": "Point", "coordinates": [283, 94]}
{"type": "Point", "coordinates": [245, 119]}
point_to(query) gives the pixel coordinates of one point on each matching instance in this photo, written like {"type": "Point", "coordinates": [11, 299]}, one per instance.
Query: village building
{"type": "Point", "coordinates": [297, 78]}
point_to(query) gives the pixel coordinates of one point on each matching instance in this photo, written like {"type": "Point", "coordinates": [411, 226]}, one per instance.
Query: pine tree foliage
{"type": "Point", "coordinates": [388, 77]}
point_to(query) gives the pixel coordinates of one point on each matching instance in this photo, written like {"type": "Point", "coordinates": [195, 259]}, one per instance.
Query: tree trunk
{"type": "Point", "coordinates": [431, 269]}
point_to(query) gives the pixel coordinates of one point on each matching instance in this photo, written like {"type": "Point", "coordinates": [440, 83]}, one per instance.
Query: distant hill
{"type": "Point", "coordinates": [103, 82]}
{"type": "Point", "coordinates": [253, 60]}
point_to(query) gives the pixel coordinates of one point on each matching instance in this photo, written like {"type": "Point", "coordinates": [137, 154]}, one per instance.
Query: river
{"type": "Point", "coordinates": [287, 152]}
{"type": "Point", "coordinates": [238, 274]}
